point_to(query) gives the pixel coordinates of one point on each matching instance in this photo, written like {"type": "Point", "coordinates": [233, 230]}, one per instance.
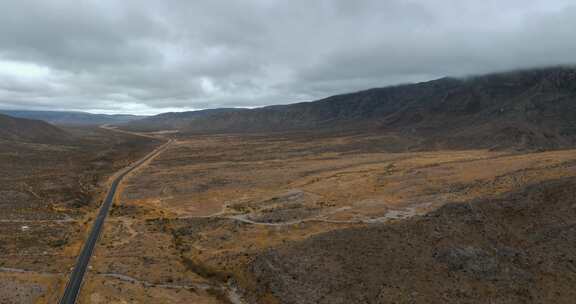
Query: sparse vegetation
{"type": "Point", "coordinates": [290, 192]}
{"type": "Point", "coordinates": [362, 216]}
{"type": "Point", "coordinates": [47, 194]}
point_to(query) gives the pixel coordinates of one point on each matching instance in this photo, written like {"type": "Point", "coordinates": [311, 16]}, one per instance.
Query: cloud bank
{"type": "Point", "coordinates": [151, 56]}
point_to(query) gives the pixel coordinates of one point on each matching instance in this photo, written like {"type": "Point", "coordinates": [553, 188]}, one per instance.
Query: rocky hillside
{"type": "Point", "coordinates": [28, 130]}
{"type": "Point", "coordinates": [519, 248]}
{"type": "Point", "coordinates": [172, 120]}
{"type": "Point", "coordinates": [525, 109]}
{"type": "Point", "coordinates": [72, 118]}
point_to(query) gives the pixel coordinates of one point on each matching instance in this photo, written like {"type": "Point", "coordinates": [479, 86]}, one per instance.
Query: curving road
{"type": "Point", "coordinates": [77, 276]}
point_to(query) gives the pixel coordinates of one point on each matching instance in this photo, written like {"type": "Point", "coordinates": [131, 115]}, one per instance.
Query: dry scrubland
{"type": "Point", "coordinates": [338, 219]}
{"type": "Point", "coordinates": [48, 196]}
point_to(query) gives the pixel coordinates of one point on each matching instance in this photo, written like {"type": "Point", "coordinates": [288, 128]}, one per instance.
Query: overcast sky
{"type": "Point", "coordinates": [146, 57]}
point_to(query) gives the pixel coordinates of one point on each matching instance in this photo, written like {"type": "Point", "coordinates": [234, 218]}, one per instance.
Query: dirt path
{"type": "Point", "coordinates": [389, 216]}
{"type": "Point", "coordinates": [130, 279]}
{"type": "Point", "coordinates": [18, 270]}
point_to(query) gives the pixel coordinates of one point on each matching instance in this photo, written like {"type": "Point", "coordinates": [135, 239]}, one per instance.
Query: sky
{"type": "Point", "coordinates": [153, 56]}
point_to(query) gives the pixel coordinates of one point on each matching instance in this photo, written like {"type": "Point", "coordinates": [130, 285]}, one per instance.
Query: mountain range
{"type": "Point", "coordinates": [527, 109]}
{"type": "Point", "coordinates": [29, 130]}
{"type": "Point", "coordinates": [71, 118]}
{"type": "Point", "coordinates": [174, 120]}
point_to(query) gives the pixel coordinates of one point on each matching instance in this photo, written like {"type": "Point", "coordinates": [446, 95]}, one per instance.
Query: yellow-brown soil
{"type": "Point", "coordinates": [198, 214]}
{"type": "Point", "coordinates": [48, 196]}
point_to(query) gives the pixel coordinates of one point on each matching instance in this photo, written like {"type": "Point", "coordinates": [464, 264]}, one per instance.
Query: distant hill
{"type": "Point", "coordinates": [525, 109]}
{"type": "Point", "coordinates": [173, 120]}
{"type": "Point", "coordinates": [71, 118]}
{"type": "Point", "coordinates": [28, 130]}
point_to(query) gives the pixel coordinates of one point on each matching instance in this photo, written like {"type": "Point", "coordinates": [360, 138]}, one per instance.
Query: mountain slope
{"type": "Point", "coordinates": [28, 130]}
{"type": "Point", "coordinates": [527, 109]}
{"type": "Point", "coordinates": [516, 248]}
{"type": "Point", "coordinates": [173, 120]}
{"type": "Point", "coordinates": [71, 118]}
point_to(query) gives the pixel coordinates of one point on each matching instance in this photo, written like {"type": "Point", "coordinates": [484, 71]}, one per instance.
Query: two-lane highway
{"type": "Point", "coordinates": [77, 276]}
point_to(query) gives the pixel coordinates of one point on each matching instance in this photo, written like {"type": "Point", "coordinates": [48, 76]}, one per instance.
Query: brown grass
{"type": "Point", "coordinates": [201, 183]}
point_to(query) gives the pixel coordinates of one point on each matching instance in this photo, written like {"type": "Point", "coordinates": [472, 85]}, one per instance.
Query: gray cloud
{"type": "Point", "coordinates": [148, 56]}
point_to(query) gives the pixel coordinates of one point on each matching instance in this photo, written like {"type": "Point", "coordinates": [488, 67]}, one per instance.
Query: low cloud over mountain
{"type": "Point", "coordinates": [157, 56]}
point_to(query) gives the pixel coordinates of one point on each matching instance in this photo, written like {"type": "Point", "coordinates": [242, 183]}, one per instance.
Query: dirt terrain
{"type": "Point", "coordinates": [517, 248]}
{"type": "Point", "coordinates": [49, 193]}
{"type": "Point", "coordinates": [259, 219]}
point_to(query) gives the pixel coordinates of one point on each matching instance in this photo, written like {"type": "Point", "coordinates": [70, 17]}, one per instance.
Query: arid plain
{"type": "Point", "coordinates": [49, 194]}
{"type": "Point", "coordinates": [193, 224]}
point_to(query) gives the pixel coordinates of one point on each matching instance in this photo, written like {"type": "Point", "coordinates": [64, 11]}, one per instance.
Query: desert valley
{"type": "Point", "coordinates": [447, 191]}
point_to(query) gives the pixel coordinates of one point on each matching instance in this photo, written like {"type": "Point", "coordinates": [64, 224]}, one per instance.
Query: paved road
{"type": "Point", "coordinates": [75, 283]}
